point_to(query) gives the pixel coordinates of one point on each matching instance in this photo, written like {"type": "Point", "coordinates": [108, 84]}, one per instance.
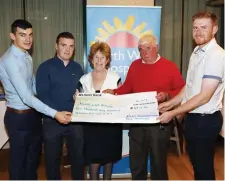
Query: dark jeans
{"type": "Point", "coordinates": [149, 138]}
{"type": "Point", "coordinates": [201, 132]}
{"type": "Point", "coordinates": [54, 133]}
{"type": "Point", "coordinates": [24, 132]}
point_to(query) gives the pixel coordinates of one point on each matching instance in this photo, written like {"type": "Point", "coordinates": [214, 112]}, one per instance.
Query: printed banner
{"type": "Point", "coordinates": [121, 27]}
{"type": "Point", "coordinates": [107, 108]}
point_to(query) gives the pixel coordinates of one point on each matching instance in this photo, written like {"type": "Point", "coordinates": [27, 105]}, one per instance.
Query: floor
{"type": "Point", "coordinates": [179, 167]}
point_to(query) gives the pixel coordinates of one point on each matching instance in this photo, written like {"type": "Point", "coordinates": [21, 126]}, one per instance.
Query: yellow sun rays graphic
{"type": "Point", "coordinates": [108, 30]}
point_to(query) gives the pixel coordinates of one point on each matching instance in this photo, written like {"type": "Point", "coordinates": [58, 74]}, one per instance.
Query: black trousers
{"type": "Point", "coordinates": [24, 132]}
{"type": "Point", "coordinates": [153, 139]}
{"type": "Point", "coordinates": [54, 135]}
{"type": "Point", "coordinates": [201, 132]}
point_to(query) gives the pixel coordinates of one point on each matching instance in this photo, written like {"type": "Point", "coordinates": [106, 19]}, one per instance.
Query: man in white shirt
{"type": "Point", "coordinates": [202, 96]}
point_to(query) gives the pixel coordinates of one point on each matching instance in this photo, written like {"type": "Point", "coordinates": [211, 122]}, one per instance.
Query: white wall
{"type": "Point", "coordinates": [3, 134]}
{"type": "Point", "coordinates": [122, 2]}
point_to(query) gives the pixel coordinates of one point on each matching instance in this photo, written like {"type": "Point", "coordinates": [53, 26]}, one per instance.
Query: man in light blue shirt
{"type": "Point", "coordinates": [22, 120]}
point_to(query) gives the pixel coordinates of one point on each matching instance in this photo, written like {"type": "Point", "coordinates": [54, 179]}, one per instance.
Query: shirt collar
{"type": "Point", "coordinates": [206, 47]}
{"type": "Point", "coordinates": [155, 60]}
{"type": "Point", "coordinates": [18, 52]}
{"type": "Point", "coordinates": [60, 62]}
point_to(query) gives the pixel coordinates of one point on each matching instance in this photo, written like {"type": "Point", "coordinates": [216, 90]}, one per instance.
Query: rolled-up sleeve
{"type": "Point", "coordinates": [214, 66]}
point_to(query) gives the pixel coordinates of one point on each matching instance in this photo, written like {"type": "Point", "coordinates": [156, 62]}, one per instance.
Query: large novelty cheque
{"type": "Point", "coordinates": [107, 108]}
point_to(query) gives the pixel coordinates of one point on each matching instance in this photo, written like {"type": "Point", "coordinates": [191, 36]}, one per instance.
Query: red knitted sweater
{"type": "Point", "coordinates": [162, 76]}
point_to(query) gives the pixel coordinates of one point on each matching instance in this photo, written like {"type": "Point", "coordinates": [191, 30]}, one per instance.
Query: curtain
{"type": "Point", "coordinates": [10, 10]}
{"type": "Point", "coordinates": [171, 29]}
{"type": "Point", "coordinates": [51, 17]}
{"type": "Point", "coordinates": [190, 8]}
{"type": "Point", "coordinates": [176, 42]}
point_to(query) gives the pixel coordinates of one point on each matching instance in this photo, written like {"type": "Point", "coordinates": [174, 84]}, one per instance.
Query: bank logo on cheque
{"type": "Point", "coordinates": [123, 40]}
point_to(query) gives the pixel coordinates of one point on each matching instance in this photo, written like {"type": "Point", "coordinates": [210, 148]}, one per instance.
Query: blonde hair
{"type": "Point", "coordinates": [148, 38]}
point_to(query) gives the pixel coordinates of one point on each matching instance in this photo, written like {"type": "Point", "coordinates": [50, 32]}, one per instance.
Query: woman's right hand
{"type": "Point", "coordinates": [75, 94]}
{"type": "Point", "coordinates": [108, 91]}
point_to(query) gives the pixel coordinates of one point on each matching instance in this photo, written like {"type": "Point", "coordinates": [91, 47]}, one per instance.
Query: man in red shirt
{"type": "Point", "coordinates": [150, 73]}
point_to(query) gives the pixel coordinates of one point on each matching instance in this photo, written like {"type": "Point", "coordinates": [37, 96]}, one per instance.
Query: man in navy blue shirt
{"type": "Point", "coordinates": [56, 81]}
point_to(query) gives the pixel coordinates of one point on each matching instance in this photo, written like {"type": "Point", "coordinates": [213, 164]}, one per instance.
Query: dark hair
{"type": "Point", "coordinates": [67, 35]}
{"type": "Point", "coordinates": [104, 49]}
{"type": "Point", "coordinates": [208, 15]}
{"type": "Point", "coordinates": [20, 23]}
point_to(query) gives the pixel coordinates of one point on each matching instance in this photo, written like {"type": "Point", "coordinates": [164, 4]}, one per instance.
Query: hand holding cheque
{"type": "Point", "coordinates": [107, 108]}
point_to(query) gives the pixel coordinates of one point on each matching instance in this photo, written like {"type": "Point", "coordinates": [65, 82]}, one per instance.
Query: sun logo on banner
{"type": "Point", "coordinates": [121, 35]}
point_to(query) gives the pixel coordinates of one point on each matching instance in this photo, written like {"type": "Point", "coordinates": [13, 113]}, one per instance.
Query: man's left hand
{"type": "Point", "coordinates": [165, 117]}
{"type": "Point", "coordinates": [162, 97]}
{"type": "Point", "coordinates": [75, 94]}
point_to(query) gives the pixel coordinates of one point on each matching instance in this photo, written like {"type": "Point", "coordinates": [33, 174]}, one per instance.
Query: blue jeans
{"type": "Point", "coordinates": [54, 134]}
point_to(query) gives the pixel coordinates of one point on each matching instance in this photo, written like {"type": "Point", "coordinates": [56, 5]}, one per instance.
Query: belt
{"type": "Point", "coordinates": [204, 114]}
{"type": "Point", "coordinates": [200, 114]}
{"type": "Point", "coordinates": [25, 111]}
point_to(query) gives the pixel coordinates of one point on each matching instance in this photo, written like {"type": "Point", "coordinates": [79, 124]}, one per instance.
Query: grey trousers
{"type": "Point", "coordinates": [151, 139]}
